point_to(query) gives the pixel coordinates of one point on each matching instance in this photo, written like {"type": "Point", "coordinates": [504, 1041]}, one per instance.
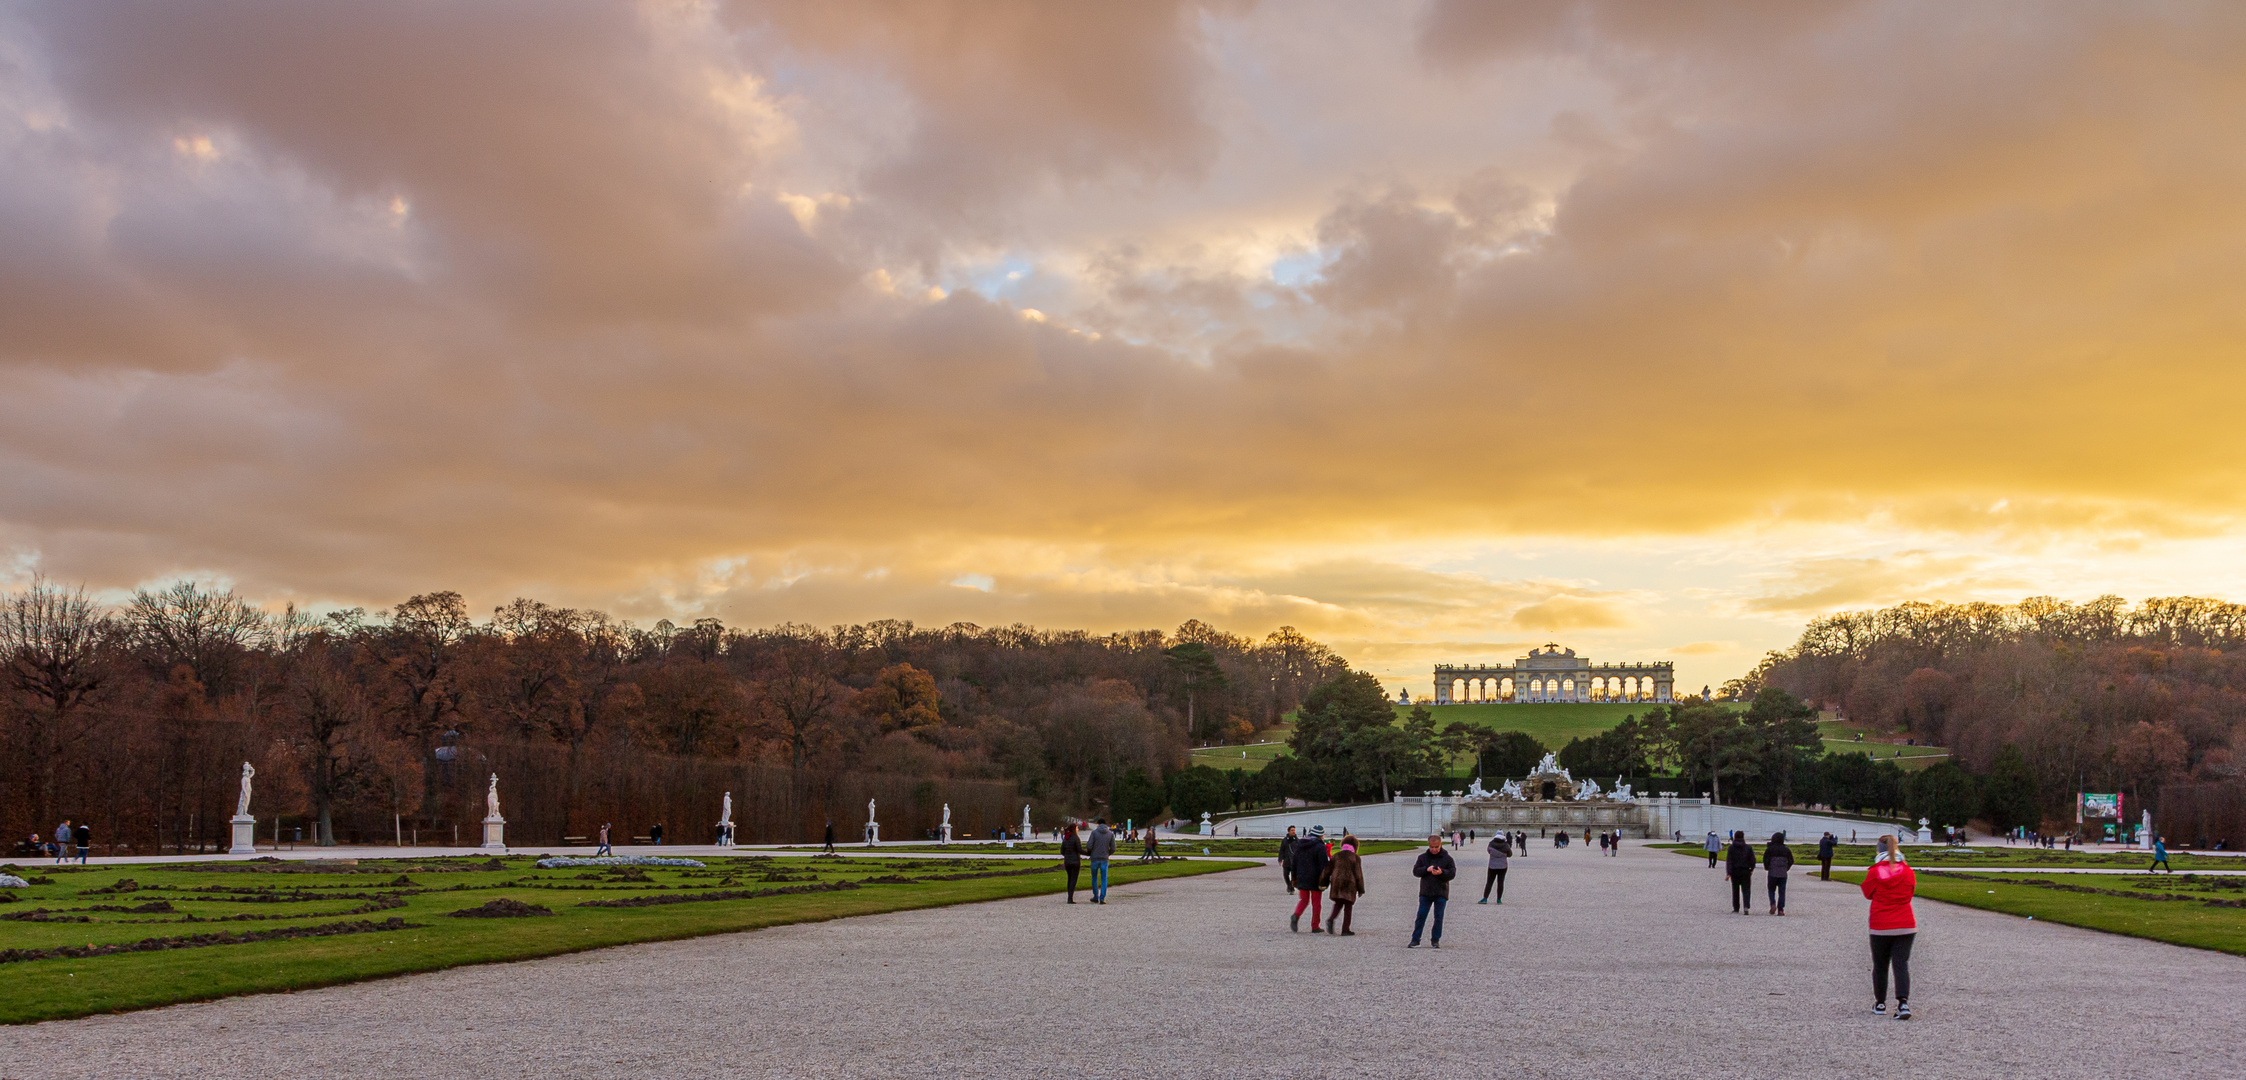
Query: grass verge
{"type": "Point", "coordinates": [133, 905]}
{"type": "Point", "coordinates": [1982, 857]}
{"type": "Point", "coordinates": [2196, 913]}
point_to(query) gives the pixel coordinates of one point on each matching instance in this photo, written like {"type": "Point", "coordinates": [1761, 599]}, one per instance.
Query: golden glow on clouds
{"type": "Point", "coordinates": [1437, 330]}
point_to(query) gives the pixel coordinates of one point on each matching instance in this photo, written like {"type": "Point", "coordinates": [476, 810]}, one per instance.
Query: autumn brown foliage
{"type": "Point", "coordinates": [370, 726]}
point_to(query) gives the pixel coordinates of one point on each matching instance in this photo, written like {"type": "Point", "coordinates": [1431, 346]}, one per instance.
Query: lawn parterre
{"type": "Point", "coordinates": [112, 938]}
{"type": "Point", "coordinates": [2198, 911]}
{"type": "Point", "coordinates": [1983, 856]}
{"type": "Point", "coordinates": [1124, 851]}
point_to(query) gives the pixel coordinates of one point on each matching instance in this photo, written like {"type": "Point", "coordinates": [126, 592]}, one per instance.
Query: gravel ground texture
{"type": "Point", "coordinates": [1593, 967]}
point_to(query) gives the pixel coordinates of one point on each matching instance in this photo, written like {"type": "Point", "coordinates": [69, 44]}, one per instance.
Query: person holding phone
{"type": "Point", "coordinates": [1889, 885]}
{"type": "Point", "coordinates": [1434, 868]}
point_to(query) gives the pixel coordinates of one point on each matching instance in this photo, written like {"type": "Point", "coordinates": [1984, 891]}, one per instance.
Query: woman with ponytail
{"type": "Point", "coordinates": [1889, 884]}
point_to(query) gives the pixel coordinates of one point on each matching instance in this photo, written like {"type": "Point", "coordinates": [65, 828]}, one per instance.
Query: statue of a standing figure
{"type": "Point", "coordinates": [725, 814]}
{"type": "Point", "coordinates": [242, 808]}
{"type": "Point", "coordinates": [947, 815]}
{"type": "Point", "coordinates": [869, 810]}
{"type": "Point", "coordinates": [491, 797]}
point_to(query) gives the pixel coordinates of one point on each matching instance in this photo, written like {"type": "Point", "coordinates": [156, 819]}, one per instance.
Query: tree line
{"type": "Point", "coordinates": [369, 725]}
{"type": "Point", "coordinates": [2038, 700]}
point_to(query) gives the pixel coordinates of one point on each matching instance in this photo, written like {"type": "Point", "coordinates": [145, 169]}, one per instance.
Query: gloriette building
{"type": "Point", "coordinates": [1554, 674]}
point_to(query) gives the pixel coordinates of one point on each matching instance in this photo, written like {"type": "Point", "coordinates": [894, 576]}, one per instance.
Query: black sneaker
{"type": "Point", "coordinates": [1880, 1009]}
{"type": "Point", "coordinates": [1413, 945]}
{"type": "Point", "coordinates": [1295, 924]}
{"type": "Point", "coordinates": [1902, 1011]}
{"type": "Point", "coordinates": [1436, 944]}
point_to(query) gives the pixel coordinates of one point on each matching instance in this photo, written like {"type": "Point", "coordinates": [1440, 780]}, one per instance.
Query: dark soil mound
{"type": "Point", "coordinates": [502, 909]}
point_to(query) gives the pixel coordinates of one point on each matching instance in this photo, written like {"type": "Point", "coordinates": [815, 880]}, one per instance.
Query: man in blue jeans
{"type": "Point", "coordinates": [1097, 852]}
{"type": "Point", "coordinates": [1434, 869]}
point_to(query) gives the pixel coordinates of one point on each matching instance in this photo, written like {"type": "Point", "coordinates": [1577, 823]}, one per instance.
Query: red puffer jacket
{"type": "Point", "coordinates": [1889, 886]}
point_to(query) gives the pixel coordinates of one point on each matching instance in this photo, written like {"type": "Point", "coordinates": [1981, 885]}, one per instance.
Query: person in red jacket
{"type": "Point", "coordinates": [1889, 885]}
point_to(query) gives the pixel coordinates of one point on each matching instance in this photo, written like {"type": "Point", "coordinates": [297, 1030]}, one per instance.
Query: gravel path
{"type": "Point", "coordinates": [1594, 967]}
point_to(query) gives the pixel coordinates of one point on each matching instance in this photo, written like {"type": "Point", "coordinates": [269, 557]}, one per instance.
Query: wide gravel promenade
{"type": "Point", "coordinates": [1626, 967]}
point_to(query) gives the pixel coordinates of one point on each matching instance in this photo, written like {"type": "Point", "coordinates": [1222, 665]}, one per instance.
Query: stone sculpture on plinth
{"type": "Point", "coordinates": [873, 827]}
{"type": "Point", "coordinates": [1027, 830]}
{"type": "Point", "coordinates": [245, 826]}
{"type": "Point", "coordinates": [947, 823]}
{"type": "Point", "coordinates": [725, 822]}
{"type": "Point", "coordinates": [495, 826]}
{"type": "Point", "coordinates": [1207, 827]}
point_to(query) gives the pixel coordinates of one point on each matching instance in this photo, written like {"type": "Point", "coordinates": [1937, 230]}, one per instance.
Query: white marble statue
{"type": "Point", "coordinates": [869, 810]}
{"type": "Point", "coordinates": [1550, 764]}
{"type": "Point", "coordinates": [491, 798]}
{"type": "Point", "coordinates": [1476, 791]}
{"type": "Point", "coordinates": [1588, 789]}
{"type": "Point", "coordinates": [947, 815]}
{"type": "Point", "coordinates": [242, 806]}
{"type": "Point", "coordinates": [1511, 789]}
{"type": "Point", "coordinates": [1027, 829]}
{"type": "Point", "coordinates": [1622, 793]}
{"type": "Point", "coordinates": [725, 812]}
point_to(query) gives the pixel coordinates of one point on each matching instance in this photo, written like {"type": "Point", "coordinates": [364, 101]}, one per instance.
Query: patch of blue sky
{"type": "Point", "coordinates": [1300, 269]}
{"type": "Point", "coordinates": [1003, 279]}
{"type": "Point", "coordinates": [978, 582]}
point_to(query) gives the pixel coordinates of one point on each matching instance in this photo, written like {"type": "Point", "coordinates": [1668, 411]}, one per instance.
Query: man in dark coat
{"type": "Point", "coordinates": [1287, 859]}
{"type": "Point", "coordinates": [1309, 863]}
{"type": "Point", "coordinates": [1434, 868]}
{"type": "Point", "coordinates": [1739, 866]}
{"type": "Point", "coordinates": [1825, 857]}
{"type": "Point", "coordinates": [1072, 852]}
{"type": "Point", "coordinates": [829, 849]}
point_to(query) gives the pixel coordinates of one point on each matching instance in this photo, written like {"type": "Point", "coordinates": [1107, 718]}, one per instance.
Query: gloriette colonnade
{"type": "Point", "coordinates": [1554, 674]}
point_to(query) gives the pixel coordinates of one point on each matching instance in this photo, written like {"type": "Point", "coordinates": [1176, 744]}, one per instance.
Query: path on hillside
{"type": "Point", "coordinates": [1629, 966]}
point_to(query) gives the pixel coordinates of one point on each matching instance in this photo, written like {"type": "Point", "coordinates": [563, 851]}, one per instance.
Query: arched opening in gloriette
{"type": "Point", "coordinates": [1630, 688]}
{"type": "Point", "coordinates": [1567, 690]}
{"type": "Point", "coordinates": [1504, 689]}
{"type": "Point", "coordinates": [1458, 689]}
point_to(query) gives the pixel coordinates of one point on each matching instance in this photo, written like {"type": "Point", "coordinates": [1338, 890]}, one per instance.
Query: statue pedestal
{"type": "Point", "coordinates": [947, 834]}
{"type": "Point", "coordinates": [245, 835]}
{"type": "Point", "coordinates": [873, 833]}
{"type": "Point", "coordinates": [495, 833]}
{"type": "Point", "coordinates": [724, 835]}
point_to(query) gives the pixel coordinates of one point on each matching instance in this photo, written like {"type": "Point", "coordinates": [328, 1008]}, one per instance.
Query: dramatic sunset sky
{"type": "Point", "coordinates": [1437, 330]}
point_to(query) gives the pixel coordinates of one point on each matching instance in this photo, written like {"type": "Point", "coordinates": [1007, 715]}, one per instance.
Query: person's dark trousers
{"type": "Point", "coordinates": [1343, 910]}
{"type": "Point", "coordinates": [1072, 871]}
{"type": "Point", "coordinates": [2156, 864]}
{"type": "Point", "coordinates": [1287, 873]}
{"type": "Point", "coordinates": [1496, 881]}
{"type": "Point", "coordinates": [1711, 858]}
{"type": "Point", "coordinates": [1743, 892]}
{"type": "Point", "coordinates": [1778, 893]}
{"type": "Point", "coordinates": [1825, 869]}
{"type": "Point", "coordinates": [1892, 950]}
{"type": "Point", "coordinates": [1420, 923]}
{"type": "Point", "coordinates": [83, 850]}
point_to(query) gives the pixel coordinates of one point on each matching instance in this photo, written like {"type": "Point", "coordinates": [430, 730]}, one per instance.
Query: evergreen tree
{"type": "Point", "coordinates": [2008, 797]}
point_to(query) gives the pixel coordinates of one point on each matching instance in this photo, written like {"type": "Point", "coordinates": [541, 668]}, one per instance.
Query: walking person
{"type": "Point", "coordinates": [1151, 853]}
{"type": "Point", "coordinates": [1346, 878]}
{"type": "Point", "coordinates": [1099, 851]}
{"type": "Point", "coordinates": [1311, 862]}
{"type": "Point", "coordinates": [1776, 860]}
{"type": "Point", "coordinates": [2159, 854]}
{"type": "Point", "coordinates": [84, 836]}
{"type": "Point", "coordinates": [655, 834]}
{"type": "Point", "coordinates": [65, 839]}
{"type": "Point", "coordinates": [1715, 847]}
{"type": "Point", "coordinates": [1739, 866]}
{"type": "Point", "coordinates": [1825, 857]}
{"type": "Point", "coordinates": [1501, 852]}
{"type": "Point", "coordinates": [1287, 859]}
{"type": "Point", "coordinates": [604, 849]}
{"type": "Point", "coordinates": [1072, 854]}
{"type": "Point", "coordinates": [1889, 885]}
{"type": "Point", "coordinates": [1434, 868]}
{"type": "Point", "coordinates": [829, 848]}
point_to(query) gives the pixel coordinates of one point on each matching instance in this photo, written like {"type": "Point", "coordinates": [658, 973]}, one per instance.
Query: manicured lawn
{"type": "Point", "coordinates": [2179, 910]}
{"type": "Point", "coordinates": [147, 902]}
{"type": "Point", "coordinates": [1991, 856]}
{"type": "Point", "coordinates": [1551, 724]}
{"type": "Point", "coordinates": [1189, 845]}
{"type": "Point", "coordinates": [1252, 757]}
